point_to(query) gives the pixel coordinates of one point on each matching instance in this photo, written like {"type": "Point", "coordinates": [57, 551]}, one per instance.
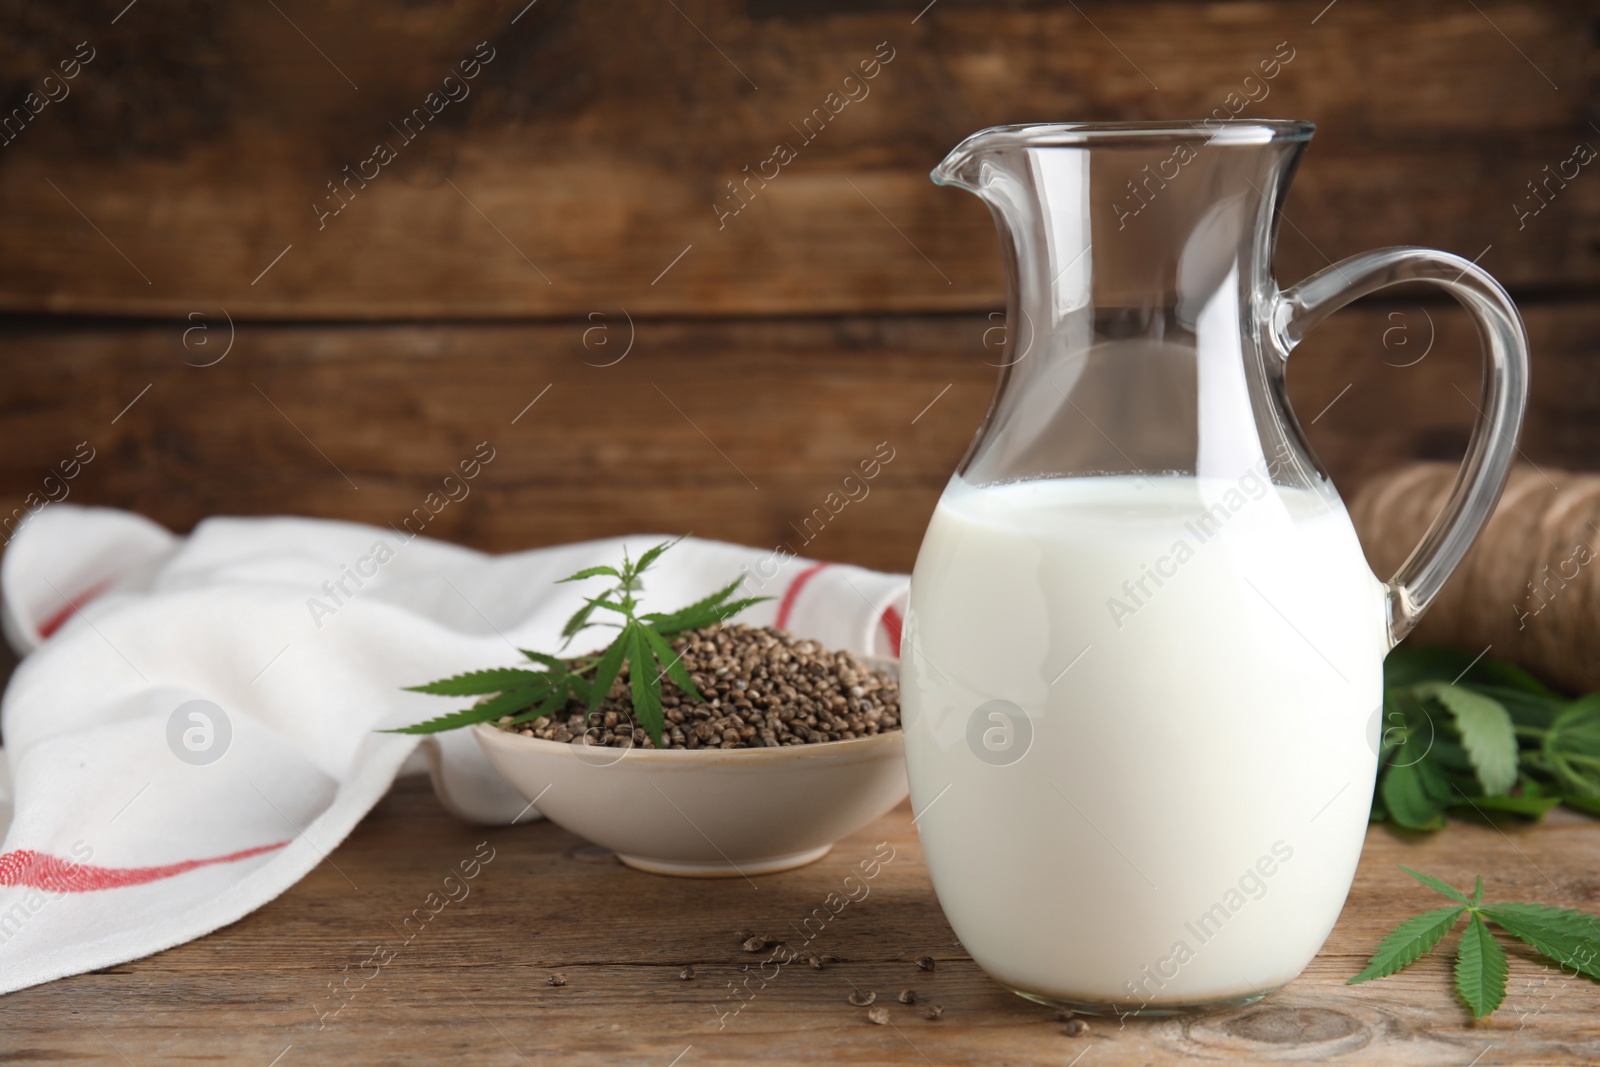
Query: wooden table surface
{"type": "Point", "coordinates": [471, 985]}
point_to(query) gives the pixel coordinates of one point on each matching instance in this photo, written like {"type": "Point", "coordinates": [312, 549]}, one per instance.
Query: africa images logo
{"type": "Point", "coordinates": [999, 733]}
{"type": "Point", "coordinates": [199, 732]}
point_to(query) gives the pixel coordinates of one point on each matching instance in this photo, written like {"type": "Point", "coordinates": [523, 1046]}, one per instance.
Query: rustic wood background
{"type": "Point", "coordinates": [561, 215]}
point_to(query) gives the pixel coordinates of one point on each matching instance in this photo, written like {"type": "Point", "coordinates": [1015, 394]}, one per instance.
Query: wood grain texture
{"type": "Point", "coordinates": [590, 151]}
{"type": "Point", "coordinates": [735, 431]}
{"type": "Point", "coordinates": [470, 988]}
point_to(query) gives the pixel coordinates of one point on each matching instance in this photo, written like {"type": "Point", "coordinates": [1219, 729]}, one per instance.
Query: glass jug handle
{"type": "Point", "coordinates": [1505, 395]}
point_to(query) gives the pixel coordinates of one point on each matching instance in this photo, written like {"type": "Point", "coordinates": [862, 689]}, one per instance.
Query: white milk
{"type": "Point", "coordinates": [1200, 686]}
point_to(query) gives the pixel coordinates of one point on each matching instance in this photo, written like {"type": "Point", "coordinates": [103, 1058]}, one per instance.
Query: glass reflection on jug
{"type": "Point", "coordinates": [1143, 655]}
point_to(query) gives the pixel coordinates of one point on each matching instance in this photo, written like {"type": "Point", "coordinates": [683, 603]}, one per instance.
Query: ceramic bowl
{"type": "Point", "coordinates": [707, 813]}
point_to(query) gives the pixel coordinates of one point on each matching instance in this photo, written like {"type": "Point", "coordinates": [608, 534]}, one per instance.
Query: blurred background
{"type": "Point", "coordinates": [218, 286]}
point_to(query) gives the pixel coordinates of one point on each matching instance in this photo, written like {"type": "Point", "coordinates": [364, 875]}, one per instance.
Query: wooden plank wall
{"type": "Point", "coordinates": [179, 233]}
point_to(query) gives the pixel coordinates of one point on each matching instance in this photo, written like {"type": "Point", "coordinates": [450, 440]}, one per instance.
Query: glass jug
{"type": "Point", "coordinates": [1143, 657]}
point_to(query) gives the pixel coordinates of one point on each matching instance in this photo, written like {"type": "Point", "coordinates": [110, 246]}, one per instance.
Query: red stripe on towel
{"type": "Point", "coordinates": [791, 594]}
{"type": "Point", "coordinates": [891, 623]}
{"type": "Point", "coordinates": [37, 870]}
{"type": "Point", "coordinates": [59, 619]}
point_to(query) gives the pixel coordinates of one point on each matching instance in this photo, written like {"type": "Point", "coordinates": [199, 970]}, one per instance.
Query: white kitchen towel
{"type": "Point", "coordinates": [191, 729]}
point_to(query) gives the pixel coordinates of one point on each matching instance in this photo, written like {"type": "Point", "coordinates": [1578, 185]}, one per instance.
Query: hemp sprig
{"type": "Point", "coordinates": [1562, 937]}
{"type": "Point", "coordinates": [642, 645]}
{"type": "Point", "coordinates": [1477, 737]}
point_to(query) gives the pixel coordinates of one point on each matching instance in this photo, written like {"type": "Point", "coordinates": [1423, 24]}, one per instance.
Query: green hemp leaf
{"type": "Point", "coordinates": [641, 647]}
{"type": "Point", "coordinates": [1481, 739]}
{"type": "Point", "coordinates": [1562, 937]}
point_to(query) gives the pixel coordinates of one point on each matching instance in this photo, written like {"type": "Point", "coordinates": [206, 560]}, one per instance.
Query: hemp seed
{"type": "Point", "coordinates": [823, 696]}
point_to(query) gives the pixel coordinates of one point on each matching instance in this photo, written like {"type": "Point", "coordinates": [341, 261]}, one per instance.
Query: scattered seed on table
{"type": "Point", "coordinates": [755, 944]}
{"type": "Point", "coordinates": [556, 979]}
{"type": "Point", "coordinates": [1076, 1027]}
{"type": "Point", "coordinates": [907, 996]}
{"type": "Point", "coordinates": [878, 1016]}
{"type": "Point", "coordinates": [815, 961]}
{"type": "Point", "coordinates": [742, 934]}
{"type": "Point", "coordinates": [828, 957]}
{"type": "Point", "coordinates": [925, 962]}
{"type": "Point", "coordinates": [935, 1013]}
{"type": "Point", "coordinates": [861, 1000]}
{"type": "Point", "coordinates": [686, 974]}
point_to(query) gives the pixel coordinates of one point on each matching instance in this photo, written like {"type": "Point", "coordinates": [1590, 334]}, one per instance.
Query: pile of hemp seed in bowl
{"type": "Point", "coordinates": [764, 688]}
